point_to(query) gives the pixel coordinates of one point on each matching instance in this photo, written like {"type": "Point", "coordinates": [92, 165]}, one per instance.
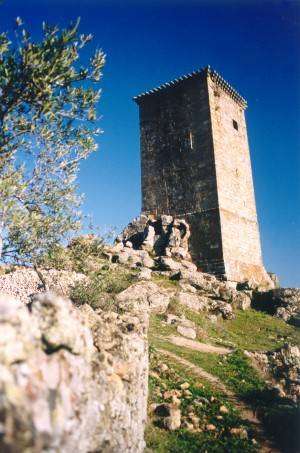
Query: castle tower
{"type": "Point", "coordinates": [196, 165]}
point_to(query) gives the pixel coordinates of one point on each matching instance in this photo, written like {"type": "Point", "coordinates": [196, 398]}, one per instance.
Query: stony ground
{"type": "Point", "coordinates": [242, 406]}
{"type": "Point", "coordinates": [224, 359]}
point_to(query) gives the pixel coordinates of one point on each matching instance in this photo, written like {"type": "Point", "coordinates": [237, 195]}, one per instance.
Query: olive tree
{"type": "Point", "coordinates": [48, 125]}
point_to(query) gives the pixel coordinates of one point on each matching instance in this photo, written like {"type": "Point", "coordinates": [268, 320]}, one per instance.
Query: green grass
{"type": "Point", "coordinates": [250, 330]}
{"type": "Point", "coordinates": [183, 441]}
{"type": "Point", "coordinates": [164, 281]}
{"type": "Point", "coordinates": [279, 416]}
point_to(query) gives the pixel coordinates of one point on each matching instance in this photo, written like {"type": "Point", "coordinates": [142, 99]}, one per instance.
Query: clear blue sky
{"type": "Point", "coordinates": [253, 44]}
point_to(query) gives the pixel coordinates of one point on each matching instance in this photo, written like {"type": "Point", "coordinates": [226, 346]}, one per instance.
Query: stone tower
{"type": "Point", "coordinates": [196, 165]}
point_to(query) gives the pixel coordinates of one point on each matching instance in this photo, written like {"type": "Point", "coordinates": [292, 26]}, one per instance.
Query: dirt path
{"type": "Point", "coordinates": [197, 346]}
{"type": "Point", "coordinates": [247, 413]}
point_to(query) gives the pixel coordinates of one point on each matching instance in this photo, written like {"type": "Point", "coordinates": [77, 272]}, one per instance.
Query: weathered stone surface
{"type": "Point", "coordinates": [145, 296]}
{"type": "Point", "coordinates": [167, 264]}
{"type": "Point", "coordinates": [242, 300]}
{"type": "Point", "coordinates": [223, 308]}
{"type": "Point", "coordinates": [284, 367]}
{"type": "Point", "coordinates": [164, 236]}
{"type": "Point", "coordinates": [144, 274]}
{"type": "Point", "coordinates": [171, 415]}
{"type": "Point", "coordinates": [71, 379]}
{"type": "Point", "coordinates": [132, 257]}
{"type": "Point", "coordinates": [198, 280]}
{"type": "Point", "coordinates": [173, 421]}
{"type": "Point", "coordinates": [187, 332]}
{"type": "Point", "coordinates": [192, 301]}
{"type": "Point", "coordinates": [275, 279]}
{"type": "Point", "coordinates": [24, 282]}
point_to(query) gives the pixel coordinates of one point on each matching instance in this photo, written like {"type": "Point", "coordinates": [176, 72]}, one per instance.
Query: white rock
{"type": "Point", "coordinates": [187, 332]}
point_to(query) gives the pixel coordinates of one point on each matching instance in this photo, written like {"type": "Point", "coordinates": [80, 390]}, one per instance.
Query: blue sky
{"type": "Point", "coordinates": [253, 44]}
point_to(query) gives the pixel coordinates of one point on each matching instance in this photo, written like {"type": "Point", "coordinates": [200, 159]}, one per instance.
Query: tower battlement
{"type": "Point", "coordinates": [195, 164]}
{"type": "Point", "coordinates": [204, 72]}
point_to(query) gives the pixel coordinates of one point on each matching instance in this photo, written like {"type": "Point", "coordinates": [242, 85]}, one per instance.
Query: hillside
{"type": "Point", "coordinates": [223, 360]}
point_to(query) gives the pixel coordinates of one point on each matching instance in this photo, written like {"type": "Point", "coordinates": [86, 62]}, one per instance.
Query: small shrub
{"type": "Point", "coordinates": [101, 287]}
{"type": "Point", "coordinates": [83, 254]}
{"type": "Point", "coordinates": [57, 258]}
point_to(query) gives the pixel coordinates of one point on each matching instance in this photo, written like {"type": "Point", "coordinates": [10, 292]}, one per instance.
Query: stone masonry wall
{"type": "Point", "coordinates": [178, 170]}
{"type": "Point", "coordinates": [240, 234]}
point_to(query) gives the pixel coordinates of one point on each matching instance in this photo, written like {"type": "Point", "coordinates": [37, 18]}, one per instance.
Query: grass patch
{"type": "Point", "coordinates": [279, 416]}
{"type": "Point", "coordinates": [270, 333]}
{"type": "Point", "coordinates": [164, 281]}
{"type": "Point", "coordinates": [183, 440]}
{"type": "Point", "coordinates": [158, 327]}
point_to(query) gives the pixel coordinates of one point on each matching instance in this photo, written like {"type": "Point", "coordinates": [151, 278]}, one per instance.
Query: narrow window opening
{"type": "Point", "coordinates": [191, 140]}
{"type": "Point", "coordinates": [235, 125]}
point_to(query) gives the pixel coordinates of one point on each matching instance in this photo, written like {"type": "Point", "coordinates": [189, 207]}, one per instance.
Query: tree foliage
{"type": "Point", "coordinates": [48, 125]}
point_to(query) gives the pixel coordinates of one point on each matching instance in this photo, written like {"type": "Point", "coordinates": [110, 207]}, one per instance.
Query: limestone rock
{"type": "Point", "coordinates": [171, 414]}
{"type": "Point", "coordinates": [187, 332]}
{"type": "Point", "coordinates": [144, 274]}
{"type": "Point", "coordinates": [241, 300]}
{"type": "Point", "coordinates": [163, 235]}
{"type": "Point", "coordinates": [192, 301]}
{"type": "Point", "coordinates": [173, 421]}
{"type": "Point", "coordinates": [71, 379]}
{"type": "Point", "coordinates": [24, 282]}
{"type": "Point", "coordinates": [167, 264]}
{"type": "Point", "coordinates": [144, 296]}
{"type": "Point", "coordinates": [223, 308]}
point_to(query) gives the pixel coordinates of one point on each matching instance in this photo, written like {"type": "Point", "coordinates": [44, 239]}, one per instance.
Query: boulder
{"type": "Point", "coordinates": [144, 274]}
{"type": "Point", "coordinates": [167, 264]}
{"type": "Point", "coordinates": [171, 415]}
{"type": "Point", "coordinates": [222, 308]}
{"type": "Point", "coordinates": [145, 296]}
{"type": "Point", "coordinates": [192, 301]}
{"type": "Point", "coordinates": [187, 332]}
{"type": "Point", "coordinates": [24, 282]}
{"type": "Point", "coordinates": [242, 300]}
{"type": "Point", "coordinates": [173, 421]}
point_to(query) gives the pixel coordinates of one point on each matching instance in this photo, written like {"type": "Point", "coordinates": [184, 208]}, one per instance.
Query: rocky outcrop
{"type": "Point", "coordinates": [282, 302]}
{"type": "Point", "coordinates": [71, 379]}
{"type": "Point", "coordinates": [283, 365]}
{"type": "Point", "coordinates": [144, 296]}
{"type": "Point", "coordinates": [24, 282]}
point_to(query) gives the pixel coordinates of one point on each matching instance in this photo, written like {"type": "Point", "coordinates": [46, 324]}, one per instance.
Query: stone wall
{"type": "Point", "coordinates": [240, 235]}
{"type": "Point", "coordinates": [71, 379]}
{"type": "Point", "coordinates": [177, 164]}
